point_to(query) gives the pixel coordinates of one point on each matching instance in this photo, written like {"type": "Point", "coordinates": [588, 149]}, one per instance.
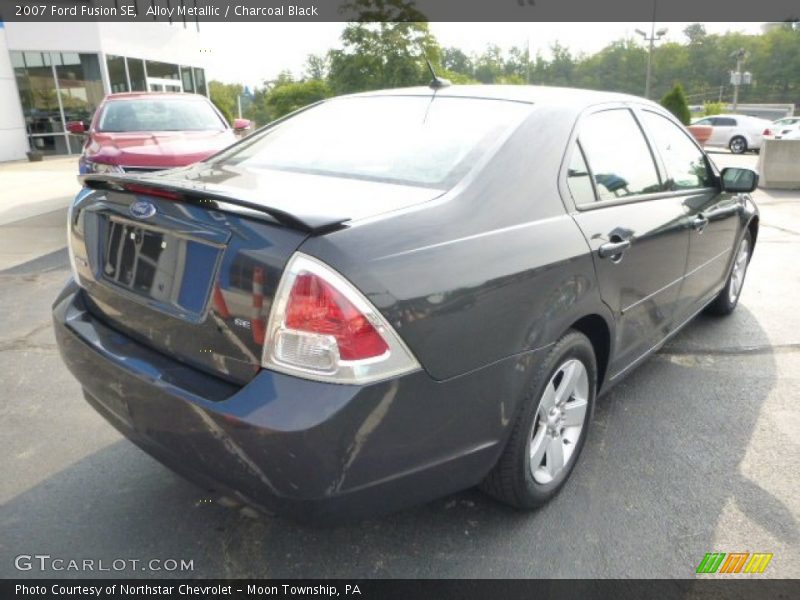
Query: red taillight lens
{"type": "Point", "coordinates": [152, 191]}
{"type": "Point", "coordinates": [315, 306]}
{"type": "Point", "coordinates": [322, 327]}
{"type": "Point", "coordinates": [767, 132]}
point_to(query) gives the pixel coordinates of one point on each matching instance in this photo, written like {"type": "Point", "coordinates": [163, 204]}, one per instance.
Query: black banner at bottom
{"type": "Point", "coordinates": [389, 589]}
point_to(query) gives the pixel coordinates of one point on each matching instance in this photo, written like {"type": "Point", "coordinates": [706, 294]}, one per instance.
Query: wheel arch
{"type": "Point", "coordinates": [595, 327]}
{"type": "Point", "coordinates": [752, 227]}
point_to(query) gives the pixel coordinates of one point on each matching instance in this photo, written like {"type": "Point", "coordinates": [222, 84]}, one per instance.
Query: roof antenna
{"type": "Point", "coordinates": [437, 82]}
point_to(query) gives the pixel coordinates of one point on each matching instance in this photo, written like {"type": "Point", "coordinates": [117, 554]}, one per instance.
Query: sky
{"type": "Point", "coordinates": [250, 53]}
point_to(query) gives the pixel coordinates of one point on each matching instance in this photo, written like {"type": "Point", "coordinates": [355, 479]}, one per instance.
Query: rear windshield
{"type": "Point", "coordinates": [159, 114]}
{"type": "Point", "coordinates": [416, 140]}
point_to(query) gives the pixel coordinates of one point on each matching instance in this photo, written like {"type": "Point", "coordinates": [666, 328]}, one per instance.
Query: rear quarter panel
{"type": "Point", "coordinates": [493, 269]}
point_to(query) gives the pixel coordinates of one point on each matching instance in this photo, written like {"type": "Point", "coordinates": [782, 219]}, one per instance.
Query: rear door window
{"type": "Point", "coordinates": [685, 163]}
{"type": "Point", "coordinates": [618, 155]}
{"type": "Point", "coordinates": [579, 179]}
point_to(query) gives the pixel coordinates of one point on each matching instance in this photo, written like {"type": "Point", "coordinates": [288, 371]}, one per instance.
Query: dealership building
{"type": "Point", "coordinates": [53, 73]}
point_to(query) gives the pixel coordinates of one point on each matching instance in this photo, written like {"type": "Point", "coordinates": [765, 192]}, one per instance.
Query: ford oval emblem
{"type": "Point", "coordinates": [142, 209]}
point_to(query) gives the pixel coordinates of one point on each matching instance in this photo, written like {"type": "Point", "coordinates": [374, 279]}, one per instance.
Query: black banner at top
{"type": "Point", "coordinates": [398, 10]}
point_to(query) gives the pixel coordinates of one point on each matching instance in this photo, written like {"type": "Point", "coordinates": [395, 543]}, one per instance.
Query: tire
{"type": "Point", "coordinates": [727, 300]}
{"type": "Point", "coordinates": [738, 145]}
{"type": "Point", "coordinates": [512, 480]}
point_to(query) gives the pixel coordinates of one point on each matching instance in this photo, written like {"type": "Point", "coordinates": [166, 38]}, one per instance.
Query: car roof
{"type": "Point", "coordinates": [147, 95]}
{"type": "Point", "coordinates": [532, 94]}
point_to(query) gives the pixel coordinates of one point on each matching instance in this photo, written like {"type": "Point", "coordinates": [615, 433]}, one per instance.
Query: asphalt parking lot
{"type": "Point", "coordinates": [697, 451]}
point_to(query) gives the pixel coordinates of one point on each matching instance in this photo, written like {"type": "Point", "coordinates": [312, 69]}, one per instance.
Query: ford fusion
{"type": "Point", "coordinates": [388, 297]}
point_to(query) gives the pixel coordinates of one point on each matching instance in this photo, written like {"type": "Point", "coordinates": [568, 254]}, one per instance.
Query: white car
{"type": "Point", "coordinates": [792, 134]}
{"type": "Point", "coordinates": [781, 128]}
{"type": "Point", "coordinates": [739, 133]}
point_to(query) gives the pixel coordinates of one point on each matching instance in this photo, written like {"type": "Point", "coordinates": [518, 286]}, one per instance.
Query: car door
{"type": "Point", "coordinates": [712, 215]}
{"type": "Point", "coordinates": [636, 232]}
{"type": "Point", "coordinates": [724, 128]}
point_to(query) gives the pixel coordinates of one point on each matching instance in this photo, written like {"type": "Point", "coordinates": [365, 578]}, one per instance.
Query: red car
{"type": "Point", "coordinates": [136, 132]}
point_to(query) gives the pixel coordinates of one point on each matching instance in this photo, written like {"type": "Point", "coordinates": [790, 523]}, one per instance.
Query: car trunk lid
{"type": "Point", "coordinates": [188, 261]}
{"type": "Point", "coordinates": [184, 278]}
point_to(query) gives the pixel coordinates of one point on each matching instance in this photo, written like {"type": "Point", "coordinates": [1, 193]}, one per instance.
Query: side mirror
{"type": "Point", "coordinates": [739, 181]}
{"type": "Point", "coordinates": [241, 124]}
{"type": "Point", "coordinates": [76, 127]}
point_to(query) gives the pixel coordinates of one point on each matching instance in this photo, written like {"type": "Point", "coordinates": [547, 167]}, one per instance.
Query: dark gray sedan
{"type": "Point", "coordinates": [392, 296]}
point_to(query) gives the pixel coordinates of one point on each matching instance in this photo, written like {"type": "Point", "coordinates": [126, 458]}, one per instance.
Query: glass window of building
{"type": "Point", "coordinates": [200, 82]}
{"type": "Point", "coordinates": [79, 84]}
{"type": "Point", "coordinates": [54, 88]}
{"type": "Point", "coordinates": [116, 73]}
{"type": "Point", "coordinates": [162, 70]}
{"type": "Point", "coordinates": [136, 73]}
{"type": "Point", "coordinates": [39, 99]}
{"type": "Point", "coordinates": [186, 78]}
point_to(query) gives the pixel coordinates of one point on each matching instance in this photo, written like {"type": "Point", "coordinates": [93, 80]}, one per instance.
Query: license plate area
{"type": "Point", "coordinates": [168, 271]}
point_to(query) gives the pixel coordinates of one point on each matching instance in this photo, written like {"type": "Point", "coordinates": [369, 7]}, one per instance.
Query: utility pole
{"type": "Point", "coordinates": [654, 36]}
{"type": "Point", "coordinates": [737, 76]}
{"type": "Point", "coordinates": [528, 60]}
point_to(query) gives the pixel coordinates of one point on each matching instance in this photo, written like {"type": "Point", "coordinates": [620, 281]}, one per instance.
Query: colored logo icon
{"type": "Point", "coordinates": [734, 562]}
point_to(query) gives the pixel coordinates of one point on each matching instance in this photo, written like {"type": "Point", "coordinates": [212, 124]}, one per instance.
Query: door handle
{"type": "Point", "coordinates": [612, 249]}
{"type": "Point", "coordinates": [699, 223]}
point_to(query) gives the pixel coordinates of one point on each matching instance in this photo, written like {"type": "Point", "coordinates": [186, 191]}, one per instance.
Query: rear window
{"type": "Point", "coordinates": [416, 140]}
{"type": "Point", "coordinates": [159, 114]}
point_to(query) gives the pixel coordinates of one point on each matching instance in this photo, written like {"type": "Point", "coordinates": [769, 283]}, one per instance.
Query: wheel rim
{"type": "Point", "coordinates": [739, 270]}
{"type": "Point", "coordinates": [737, 145]}
{"type": "Point", "coordinates": [559, 421]}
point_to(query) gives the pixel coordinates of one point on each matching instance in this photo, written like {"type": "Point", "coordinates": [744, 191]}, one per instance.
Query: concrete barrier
{"type": "Point", "coordinates": [779, 165]}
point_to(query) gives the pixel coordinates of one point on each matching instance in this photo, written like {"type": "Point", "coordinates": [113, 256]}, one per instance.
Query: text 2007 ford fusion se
{"type": "Point", "coordinates": [391, 296]}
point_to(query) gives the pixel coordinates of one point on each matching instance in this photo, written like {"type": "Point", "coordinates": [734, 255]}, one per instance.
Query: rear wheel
{"type": "Point", "coordinates": [728, 298]}
{"type": "Point", "coordinates": [738, 145]}
{"type": "Point", "coordinates": [550, 429]}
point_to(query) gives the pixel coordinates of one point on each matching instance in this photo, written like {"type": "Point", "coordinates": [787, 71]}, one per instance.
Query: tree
{"type": "Point", "coordinates": [675, 102]}
{"type": "Point", "coordinates": [455, 60]}
{"type": "Point", "coordinates": [317, 67]}
{"type": "Point", "coordinates": [695, 33]}
{"type": "Point", "coordinates": [291, 96]}
{"type": "Point", "coordinates": [490, 66]}
{"type": "Point", "coordinates": [224, 96]}
{"type": "Point", "coordinates": [383, 54]}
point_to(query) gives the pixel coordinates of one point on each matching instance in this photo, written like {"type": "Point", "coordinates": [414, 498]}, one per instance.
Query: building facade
{"type": "Point", "coordinates": [53, 73]}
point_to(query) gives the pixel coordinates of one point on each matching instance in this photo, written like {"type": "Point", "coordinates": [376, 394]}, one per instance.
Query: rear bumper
{"type": "Point", "coordinates": [312, 451]}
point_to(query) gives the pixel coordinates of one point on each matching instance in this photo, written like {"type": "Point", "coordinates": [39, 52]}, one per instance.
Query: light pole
{"type": "Point", "coordinates": [737, 77]}
{"type": "Point", "coordinates": [652, 39]}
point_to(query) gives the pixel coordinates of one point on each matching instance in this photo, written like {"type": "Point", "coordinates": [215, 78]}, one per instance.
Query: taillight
{"type": "Point", "coordinates": [321, 327]}
{"type": "Point", "coordinates": [136, 188]}
{"type": "Point", "coordinates": [767, 132]}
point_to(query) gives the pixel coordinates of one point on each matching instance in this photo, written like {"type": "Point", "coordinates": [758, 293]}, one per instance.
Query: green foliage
{"type": "Point", "coordinates": [713, 108]}
{"type": "Point", "coordinates": [293, 95]}
{"type": "Point", "coordinates": [675, 102]}
{"type": "Point", "coordinates": [386, 54]}
{"type": "Point", "coordinates": [317, 67]}
{"type": "Point", "coordinates": [454, 60]}
{"type": "Point", "coordinates": [224, 95]}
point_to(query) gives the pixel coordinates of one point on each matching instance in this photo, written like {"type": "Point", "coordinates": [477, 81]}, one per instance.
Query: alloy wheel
{"type": "Point", "coordinates": [739, 270]}
{"type": "Point", "coordinates": [559, 421]}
